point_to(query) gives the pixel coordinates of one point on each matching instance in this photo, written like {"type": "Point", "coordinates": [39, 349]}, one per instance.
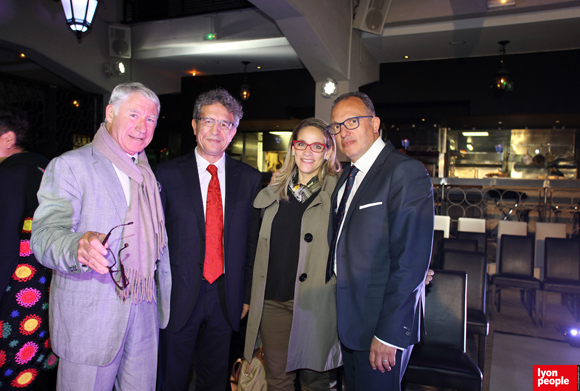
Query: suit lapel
{"type": "Point", "coordinates": [232, 184]}
{"type": "Point", "coordinates": [110, 181]}
{"type": "Point", "coordinates": [190, 176]}
{"type": "Point", "coordinates": [369, 177]}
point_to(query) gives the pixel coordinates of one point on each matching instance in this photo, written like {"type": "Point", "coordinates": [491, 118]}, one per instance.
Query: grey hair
{"type": "Point", "coordinates": [122, 91]}
{"type": "Point", "coordinates": [219, 95]}
{"type": "Point", "coordinates": [356, 94]}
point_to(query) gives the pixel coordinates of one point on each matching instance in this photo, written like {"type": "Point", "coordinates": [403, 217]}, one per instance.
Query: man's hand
{"type": "Point", "coordinates": [429, 277]}
{"type": "Point", "coordinates": [245, 310]}
{"type": "Point", "coordinates": [91, 252]}
{"type": "Point", "coordinates": [382, 356]}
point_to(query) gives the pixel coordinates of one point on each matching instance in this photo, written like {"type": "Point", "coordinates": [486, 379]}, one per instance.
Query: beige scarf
{"type": "Point", "coordinates": [146, 236]}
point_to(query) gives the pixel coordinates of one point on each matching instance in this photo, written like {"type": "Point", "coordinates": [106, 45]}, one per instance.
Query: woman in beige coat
{"type": "Point", "coordinates": [292, 308]}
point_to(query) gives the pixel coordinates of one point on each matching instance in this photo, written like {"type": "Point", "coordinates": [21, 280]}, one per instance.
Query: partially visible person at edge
{"type": "Point", "coordinates": [292, 308]}
{"type": "Point", "coordinates": [380, 235]}
{"type": "Point", "coordinates": [212, 229]}
{"type": "Point", "coordinates": [24, 283]}
{"type": "Point", "coordinates": [110, 292]}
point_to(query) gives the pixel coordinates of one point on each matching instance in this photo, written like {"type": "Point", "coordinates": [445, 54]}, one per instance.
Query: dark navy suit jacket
{"type": "Point", "coordinates": [185, 222]}
{"type": "Point", "coordinates": [383, 253]}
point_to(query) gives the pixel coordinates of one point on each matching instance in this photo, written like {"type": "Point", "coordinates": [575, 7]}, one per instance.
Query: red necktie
{"type": "Point", "coordinates": [213, 266]}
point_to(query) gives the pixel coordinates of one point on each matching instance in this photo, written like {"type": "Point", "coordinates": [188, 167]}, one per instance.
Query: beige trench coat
{"type": "Point", "coordinates": [314, 337]}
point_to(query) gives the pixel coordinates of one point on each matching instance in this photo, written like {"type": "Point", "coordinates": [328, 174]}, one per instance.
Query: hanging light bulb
{"type": "Point", "coordinates": [503, 80]}
{"type": "Point", "coordinates": [245, 87]}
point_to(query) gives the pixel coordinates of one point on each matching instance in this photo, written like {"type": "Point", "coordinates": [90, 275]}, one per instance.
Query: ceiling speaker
{"type": "Point", "coordinates": [371, 15]}
{"type": "Point", "coordinates": [120, 41]}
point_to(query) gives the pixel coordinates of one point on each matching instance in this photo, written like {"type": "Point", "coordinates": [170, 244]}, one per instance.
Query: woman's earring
{"type": "Point", "coordinates": [293, 154]}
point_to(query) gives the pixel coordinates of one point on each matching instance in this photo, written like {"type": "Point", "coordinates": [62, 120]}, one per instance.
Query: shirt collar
{"type": "Point", "coordinates": [202, 163]}
{"type": "Point", "coordinates": [365, 162]}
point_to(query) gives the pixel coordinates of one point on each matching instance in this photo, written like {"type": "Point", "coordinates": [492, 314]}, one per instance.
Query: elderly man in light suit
{"type": "Point", "coordinates": [109, 293]}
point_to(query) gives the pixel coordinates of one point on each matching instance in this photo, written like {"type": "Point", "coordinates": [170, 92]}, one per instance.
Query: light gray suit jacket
{"type": "Point", "coordinates": [80, 191]}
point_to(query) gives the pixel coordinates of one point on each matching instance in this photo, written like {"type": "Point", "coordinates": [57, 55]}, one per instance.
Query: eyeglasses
{"type": "Point", "coordinates": [350, 124]}
{"type": "Point", "coordinates": [207, 122]}
{"type": "Point", "coordinates": [314, 147]}
{"type": "Point", "coordinates": [124, 281]}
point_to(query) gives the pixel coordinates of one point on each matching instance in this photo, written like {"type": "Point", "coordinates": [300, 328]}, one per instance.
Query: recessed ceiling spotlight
{"type": "Point", "coordinates": [406, 56]}
{"type": "Point", "coordinates": [258, 67]}
{"type": "Point", "coordinates": [457, 42]}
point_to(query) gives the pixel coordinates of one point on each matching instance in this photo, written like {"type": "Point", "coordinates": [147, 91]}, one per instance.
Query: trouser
{"type": "Point", "coordinates": [275, 331]}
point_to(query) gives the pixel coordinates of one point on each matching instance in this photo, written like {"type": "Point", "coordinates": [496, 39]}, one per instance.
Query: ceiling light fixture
{"type": "Point", "coordinates": [503, 79]}
{"type": "Point", "coordinates": [245, 87]}
{"type": "Point", "coordinates": [79, 14]}
{"type": "Point", "coordinates": [475, 134]}
{"type": "Point", "coordinates": [329, 88]}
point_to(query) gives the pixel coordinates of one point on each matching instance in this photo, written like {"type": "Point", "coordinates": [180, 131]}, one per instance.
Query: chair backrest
{"type": "Point", "coordinates": [458, 244]}
{"type": "Point", "coordinates": [543, 231]}
{"type": "Point", "coordinates": [475, 265]}
{"type": "Point", "coordinates": [480, 237]}
{"type": "Point", "coordinates": [562, 257]}
{"type": "Point", "coordinates": [510, 228]}
{"type": "Point", "coordinates": [435, 251]}
{"type": "Point", "coordinates": [442, 223]}
{"type": "Point", "coordinates": [516, 255]}
{"type": "Point", "coordinates": [446, 310]}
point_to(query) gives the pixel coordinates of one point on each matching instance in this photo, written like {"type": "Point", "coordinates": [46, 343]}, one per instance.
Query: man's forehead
{"type": "Point", "coordinates": [349, 107]}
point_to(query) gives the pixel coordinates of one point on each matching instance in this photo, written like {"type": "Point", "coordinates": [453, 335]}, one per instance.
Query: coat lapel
{"type": "Point", "coordinates": [110, 181]}
{"type": "Point", "coordinates": [190, 176]}
{"type": "Point", "coordinates": [232, 186]}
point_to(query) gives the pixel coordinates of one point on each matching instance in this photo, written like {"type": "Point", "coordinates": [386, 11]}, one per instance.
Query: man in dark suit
{"type": "Point", "coordinates": [380, 248]}
{"type": "Point", "coordinates": [207, 305]}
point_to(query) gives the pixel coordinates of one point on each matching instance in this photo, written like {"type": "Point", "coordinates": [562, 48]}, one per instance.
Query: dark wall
{"type": "Point", "coordinates": [545, 83]}
{"type": "Point", "coordinates": [274, 95]}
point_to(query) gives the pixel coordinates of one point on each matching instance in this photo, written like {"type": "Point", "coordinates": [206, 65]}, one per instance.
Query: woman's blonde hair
{"type": "Point", "coordinates": [330, 166]}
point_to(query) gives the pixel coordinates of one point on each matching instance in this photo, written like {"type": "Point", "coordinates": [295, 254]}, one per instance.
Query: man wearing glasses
{"type": "Point", "coordinates": [212, 230]}
{"type": "Point", "coordinates": [380, 234]}
{"type": "Point", "coordinates": [110, 291]}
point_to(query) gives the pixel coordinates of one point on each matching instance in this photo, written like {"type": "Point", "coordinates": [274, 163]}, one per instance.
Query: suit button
{"type": "Point", "coordinates": [303, 277]}
{"type": "Point", "coordinates": [308, 238]}
{"type": "Point", "coordinates": [407, 333]}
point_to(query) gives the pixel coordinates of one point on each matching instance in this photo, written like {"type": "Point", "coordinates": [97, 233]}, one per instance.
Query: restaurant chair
{"type": "Point", "coordinates": [516, 271]}
{"type": "Point", "coordinates": [458, 244]}
{"type": "Point", "coordinates": [480, 237]}
{"type": "Point", "coordinates": [543, 231]}
{"type": "Point", "coordinates": [475, 265]}
{"type": "Point", "coordinates": [562, 273]}
{"type": "Point", "coordinates": [440, 359]}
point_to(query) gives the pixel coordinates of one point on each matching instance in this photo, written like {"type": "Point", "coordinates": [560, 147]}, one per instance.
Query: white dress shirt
{"type": "Point", "coordinates": [205, 177]}
{"type": "Point", "coordinates": [125, 180]}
